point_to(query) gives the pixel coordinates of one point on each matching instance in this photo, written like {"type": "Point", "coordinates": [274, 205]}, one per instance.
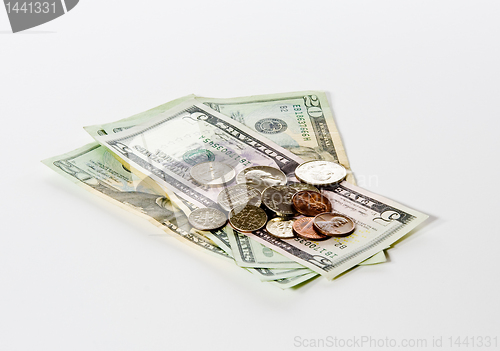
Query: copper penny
{"type": "Point", "coordinates": [311, 203]}
{"type": "Point", "coordinates": [333, 224]}
{"type": "Point", "coordinates": [303, 227]}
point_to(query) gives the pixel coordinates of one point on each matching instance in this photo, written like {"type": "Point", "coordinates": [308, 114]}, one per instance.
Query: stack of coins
{"type": "Point", "coordinates": [262, 198]}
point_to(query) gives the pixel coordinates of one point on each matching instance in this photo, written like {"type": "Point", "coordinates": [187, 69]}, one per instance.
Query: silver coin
{"type": "Point", "coordinates": [304, 186]}
{"type": "Point", "coordinates": [280, 228]}
{"type": "Point", "coordinates": [261, 177]}
{"type": "Point", "coordinates": [247, 218]}
{"type": "Point", "coordinates": [279, 199]}
{"type": "Point", "coordinates": [320, 172]}
{"type": "Point", "coordinates": [212, 173]}
{"type": "Point", "coordinates": [239, 195]}
{"type": "Point", "coordinates": [207, 218]}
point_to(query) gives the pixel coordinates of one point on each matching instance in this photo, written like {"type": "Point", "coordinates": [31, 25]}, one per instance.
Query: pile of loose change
{"type": "Point", "coordinates": [263, 198]}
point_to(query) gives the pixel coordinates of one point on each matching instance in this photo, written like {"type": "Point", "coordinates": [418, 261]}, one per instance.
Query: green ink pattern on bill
{"type": "Point", "coordinates": [301, 122]}
{"type": "Point", "coordinates": [95, 169]}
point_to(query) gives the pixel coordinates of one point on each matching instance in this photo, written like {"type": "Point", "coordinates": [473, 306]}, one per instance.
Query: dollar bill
{"type": "Point", "coordinates": [379, 257]}
{"type": "Point", "coordinates": [220, 238]}
{"type": "Point", "coordinates": [95, 169]}
{"type": "Point", "coordinates": [129, 122]}
{"type": "Point", "coordinates": [294, 281]}
{"type": "Point", "coordinates": [379, 223]}
{"type": "Point", "coordinates": [259, 105]}
{"type": "Point", "coordinates": [269, 274]}
{"type": "Point", "coordinates": [250, 253]}
{"type": "Point", "coordinates": [301, 122]}
{"type": "Point", "coordinates": [168, 145]}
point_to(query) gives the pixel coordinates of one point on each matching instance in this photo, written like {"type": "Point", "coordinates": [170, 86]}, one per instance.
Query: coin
{"type": "Point", "coordinates": [279, 199]}
{"type": "Point", "coordinates": [212, 173]}
{"type": "Point", "coordinates": [239, 195]}
{"type": "Point", "coordinates": [303, 186]}
{"type": "Point", "coordinates": [311, 203]}
{"type": "Point", "coordinates": [333, 224]}
{"type": "Point", "coordinates": [261, 177]}
{"type": "Point", "coordinates": [303, 227]}
{"type": "Point", "coordinates": [207, 218]}
{"type": "Point", "coordinates": [320, 172]}
{"type": "Point", "coordinates": [247, 218]}
{"type": "Point", "coordinates": [280, 228]}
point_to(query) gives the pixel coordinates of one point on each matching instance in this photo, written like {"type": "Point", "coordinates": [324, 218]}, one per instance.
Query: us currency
{"type": "Point", "coordinates": [125, 124]}
{"type": "Point", "coordinates": [168, 145]}
{"type": "Point", "coordinates": [220, 238]}
{"type": "Point", "coordinates": [129, 122]}
{"type": "Point", "coordinates": [379, 257]}
{"type": "Point", "coordinates": [95, 169]}
{"type": "Point", "coordinates": [294, 281]}
{"type": "Point", "coordinates": [249, 253]}
{"type": "Point", "coordinates": [301, 122]}
{"type": "Point", "coordinates": [270, 274]}
{"type": "Point", "coordinates": [379, 223]}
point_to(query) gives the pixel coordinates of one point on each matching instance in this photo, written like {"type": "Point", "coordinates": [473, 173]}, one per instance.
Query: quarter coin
{"type": "Point", "coordinates": [333, 224]}
{"type": "Point", "coordinates": [207, 218]}
{"type": "Point", "coordinates": [261, 177]}
{"type": "Point", "coordinates": [239, 195]}
{"type": "Point", "coordinates": [212, 173]}
{"type": "Point", "coordinates": [320, 172]}
{"type": "Point", "coordinates": [303, 227]}
{"type": "Point", "coordinates": [280, 228]}
{"type": "Point", "coordinates": [247, 218]}
{"type": "Point", "coordinates": [279, 199]}
{"type": "Point", "coordinates": [311, 203]}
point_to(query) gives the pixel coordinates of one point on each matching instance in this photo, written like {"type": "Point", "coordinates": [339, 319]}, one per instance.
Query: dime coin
{"type": "Point", "coordinates": [303, 227]}
{"type": "Point", "coordinates": [279, 199]}
{"type": "Point", "coordinates": [247, 218]}
{"type": "Point", "coordinates": [239, 195]}
{"type": "Point", "coordinates": [311, 203]}
{"type": "Point", "coordinates": [333, 224]}
{"type": "Point", "coordinates": [213, 173]}
{"type": "Point", "coordinates": [207, 218]}
{"type": "Point", "coordinates": [261, 177]}
{"type": "Point", "coordinates": [304, 186]}
{"type": "Point", "coordinates": [320, 172]}
{"type": "Point", "coordinates": [280, 228]}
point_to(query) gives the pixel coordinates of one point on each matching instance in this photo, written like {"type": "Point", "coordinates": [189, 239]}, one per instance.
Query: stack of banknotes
{"type": "Point", "coordinates": [142, 164]}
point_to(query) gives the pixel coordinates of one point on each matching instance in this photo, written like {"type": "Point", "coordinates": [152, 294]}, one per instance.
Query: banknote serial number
{"type": "Point", "coordinates": [299, 115]}
{"type": "Point", "coordinates": [30, 7]}
{"type": "Point", "coordinates": [317, 247]}
{"type": "Point", "coordinates": [225, 151]}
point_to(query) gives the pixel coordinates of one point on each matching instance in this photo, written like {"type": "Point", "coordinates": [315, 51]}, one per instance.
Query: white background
{"type": "Point", "coordinates": [415, 89]}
